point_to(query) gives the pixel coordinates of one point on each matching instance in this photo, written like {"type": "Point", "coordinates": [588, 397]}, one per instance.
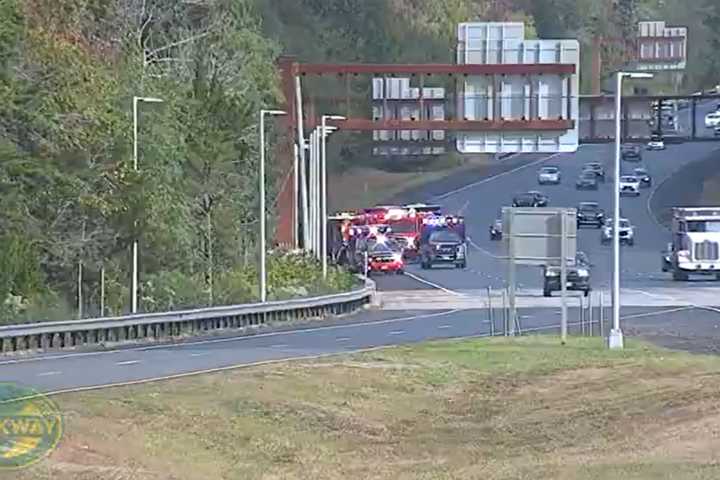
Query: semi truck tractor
{"type": "Point", "coordinates": [695, 245]}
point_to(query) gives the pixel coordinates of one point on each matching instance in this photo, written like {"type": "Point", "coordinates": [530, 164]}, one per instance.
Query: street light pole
{"type": "Point", "coordinates": [615, 340]}
{"type": "Point", "coordinates": [263, 241]}
{"type": "Point", "coordinates": [134, 288]}
{"type": "Point", "coordinates": [323, 189]}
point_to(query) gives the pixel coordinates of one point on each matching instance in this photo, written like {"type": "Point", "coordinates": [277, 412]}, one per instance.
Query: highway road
{"type": "Point", "coordinates": [453, 305]}
{"type": "Point", "coordinates": [481, 204]}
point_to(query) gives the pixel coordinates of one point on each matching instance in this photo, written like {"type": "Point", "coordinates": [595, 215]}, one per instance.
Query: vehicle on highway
{"type": "Point", "coordinates": [695, 247]}
{"type": "Point", "coordinates": [597, 168]}
{"type": "Point", "coordinates": [444, 246]}
{"type": "Point", "coordinates": [590, 213]}
{"type": "Point", "coordinates": [631, 153]}
{"type": "Point", "coordinates": [577, 279]}
{"type": "Point", "coordinates": [627, 232]}
{"type": "Point", "coordinates": [666, 261]}
{"type": "Point", "coordinates": [549, 175]}
{"type": "Point", "coordinates": [629, 185]}
{"type": "Point", "coordinates": [587, 180]}
{"type": "Point", "coordinates": [405, 231]}
{"type": "Point", "coordinates": [384, 256]}
{"type": "Point", "coordinates": [496, 229]}
{"type": "Point", "coordinates": [712, 119]}
{"type": "Point", "coordinates": [542, 199]}
{"type": "Point", "coordinates": [525, 200]}
{"type": "Point", "coordinates": [657, 142]}
{"type": "Point", "coordinates": [644, 176]}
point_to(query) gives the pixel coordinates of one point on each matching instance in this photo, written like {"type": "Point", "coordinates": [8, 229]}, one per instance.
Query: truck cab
{"type": "Point", "coordinates": [695, 246]}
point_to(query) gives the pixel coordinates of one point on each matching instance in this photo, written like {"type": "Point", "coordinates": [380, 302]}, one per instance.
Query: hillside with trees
{"type": "Point", "coordinates": [70, 69]}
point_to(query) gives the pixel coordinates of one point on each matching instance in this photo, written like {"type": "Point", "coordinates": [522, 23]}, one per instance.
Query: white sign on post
{"type": "Point", "coordinates": [543, 237]}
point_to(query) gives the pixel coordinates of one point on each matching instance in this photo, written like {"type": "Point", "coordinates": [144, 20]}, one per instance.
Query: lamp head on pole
{"type": "Point", "coordinates": [273, 112]}
{"type": "Point", "coordinates": [149, 99]}
{"type": "Point", "coordinates": [637, 75]}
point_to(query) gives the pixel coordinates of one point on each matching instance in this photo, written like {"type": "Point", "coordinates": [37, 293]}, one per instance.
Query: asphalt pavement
{"type": "Point", "coordinates": [674, 316]}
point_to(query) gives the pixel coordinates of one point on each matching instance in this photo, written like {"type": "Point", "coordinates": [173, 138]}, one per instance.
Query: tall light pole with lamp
{"type": "Point", "coordinates": [615, 339]}
{"type": "Point", "coordinates": [263, 241]}
{"type": "Point", "coordinates": [323, 189]}
{"type": "Point", "coordinates": [136, 102]}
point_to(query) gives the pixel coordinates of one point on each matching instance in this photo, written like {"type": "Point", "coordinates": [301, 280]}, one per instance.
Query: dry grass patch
{"type": "Point", "coordinates": [491, 409]}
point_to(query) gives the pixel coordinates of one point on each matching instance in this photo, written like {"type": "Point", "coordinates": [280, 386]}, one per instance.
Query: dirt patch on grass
{"type": "Point", "coordinates": [436, 411]}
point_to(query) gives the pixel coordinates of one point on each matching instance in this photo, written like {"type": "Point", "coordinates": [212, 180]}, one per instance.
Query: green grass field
{"type": "Point", "coordinates": [490, 409]}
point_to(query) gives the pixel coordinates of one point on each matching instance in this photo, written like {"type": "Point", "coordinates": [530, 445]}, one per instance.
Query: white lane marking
{"type": "Point", "coordinates": [653, 314]}
{"type": "Point", "coordinates": [444, 327]}
{"type": "Point", "coordinates": [709, 308]}
{"type": "Point", "coordinates": [499, 175]}
{"type": "Point", "coordinates": [342, 339]}
{"type": "Point", "coordinates": [397, 332]}
{"type": "Point", "coordinates": [204, 354]}
{"type": "Point", "coordinates": [462, 209]}
{"type": "Point", "coordinates": [238, 338]}
{"type": "Point", "coordinates": [49, 374]}
{"type": "Point", "coordinates": [128, 362]}
{"type": "Point", "coordinates": [482, 250]}
{"type": "Point", "coordinates": [434, 285]}
{"type": "Point", "coordinates": [280, 345]}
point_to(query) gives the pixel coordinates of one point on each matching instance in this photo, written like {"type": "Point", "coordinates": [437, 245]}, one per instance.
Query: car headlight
{"type": "Point", "coordinates": [397, 257]}
{"type": "Point", "coordinates": [552, 273]}
{"type": "Point", "coordinates": [461, 251]}
{"type": "Point", "coordinates": [607, 231]}
{"type": "Point", "coordinates": [582, 272]}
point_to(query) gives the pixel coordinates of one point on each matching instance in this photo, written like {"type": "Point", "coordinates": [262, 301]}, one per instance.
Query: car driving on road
{"type": "Point", "coordinates": [597, 168]}
{"type": "Point", "coordinates": [577, 278]}
{"type": "Point", "coordinates": [656, 143]}
{"type": "Point", "coordinates": [644, 176]}
{"type": "Point", "coordinates": [631, 153]}
{"type": "Point", "coordinates": [712, 119]}
{"type": "Point", "coordinates": [496, 229]}
{"type": "Point", "coordinates": [590, 213]}
{"type": "Point", "coordinates": [587, 180]}
{"type": "Point", "coordinates": [629, 185]}
{"type": "Point", "coordinates": [627, 232]}
{"type": "Point", "coordinates": [541, 199]}
{"type": "Point", "coordinates": [529, 199]}
{"type": "Point", "coordinates": [549, 175]}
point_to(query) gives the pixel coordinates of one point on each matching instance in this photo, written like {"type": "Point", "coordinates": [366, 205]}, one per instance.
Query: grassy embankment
{"type": "Point", "coordinates": [364, 187]}
{"type": "Point", "coordinates": [491, 409]}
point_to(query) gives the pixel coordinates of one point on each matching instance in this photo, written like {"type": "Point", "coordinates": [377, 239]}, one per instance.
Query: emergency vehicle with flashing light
{"type": "Point", "coordinates": [443, 242]}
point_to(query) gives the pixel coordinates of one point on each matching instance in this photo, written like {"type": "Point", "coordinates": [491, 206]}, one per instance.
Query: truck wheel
{"type": "Point", "coordinates": [586, 293]}
{"type": "Point", "coordinates": [547, 292]}
{"type": "Point", "coordinates": [400, 272]}
{"type": "Point", "coordinates": [462, 265]}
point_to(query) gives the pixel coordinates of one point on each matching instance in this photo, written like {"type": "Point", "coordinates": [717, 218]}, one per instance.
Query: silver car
{"type": "Point", "coordinates": [629, 185]}
{"type": "Point", "coordinates": [549, 175]}
{"type": "Point", "coordinates": [626, 232]}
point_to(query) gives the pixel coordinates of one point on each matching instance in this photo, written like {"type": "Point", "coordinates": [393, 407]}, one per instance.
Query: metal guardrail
{"type": "Point", "coordinates": [39, 337]}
